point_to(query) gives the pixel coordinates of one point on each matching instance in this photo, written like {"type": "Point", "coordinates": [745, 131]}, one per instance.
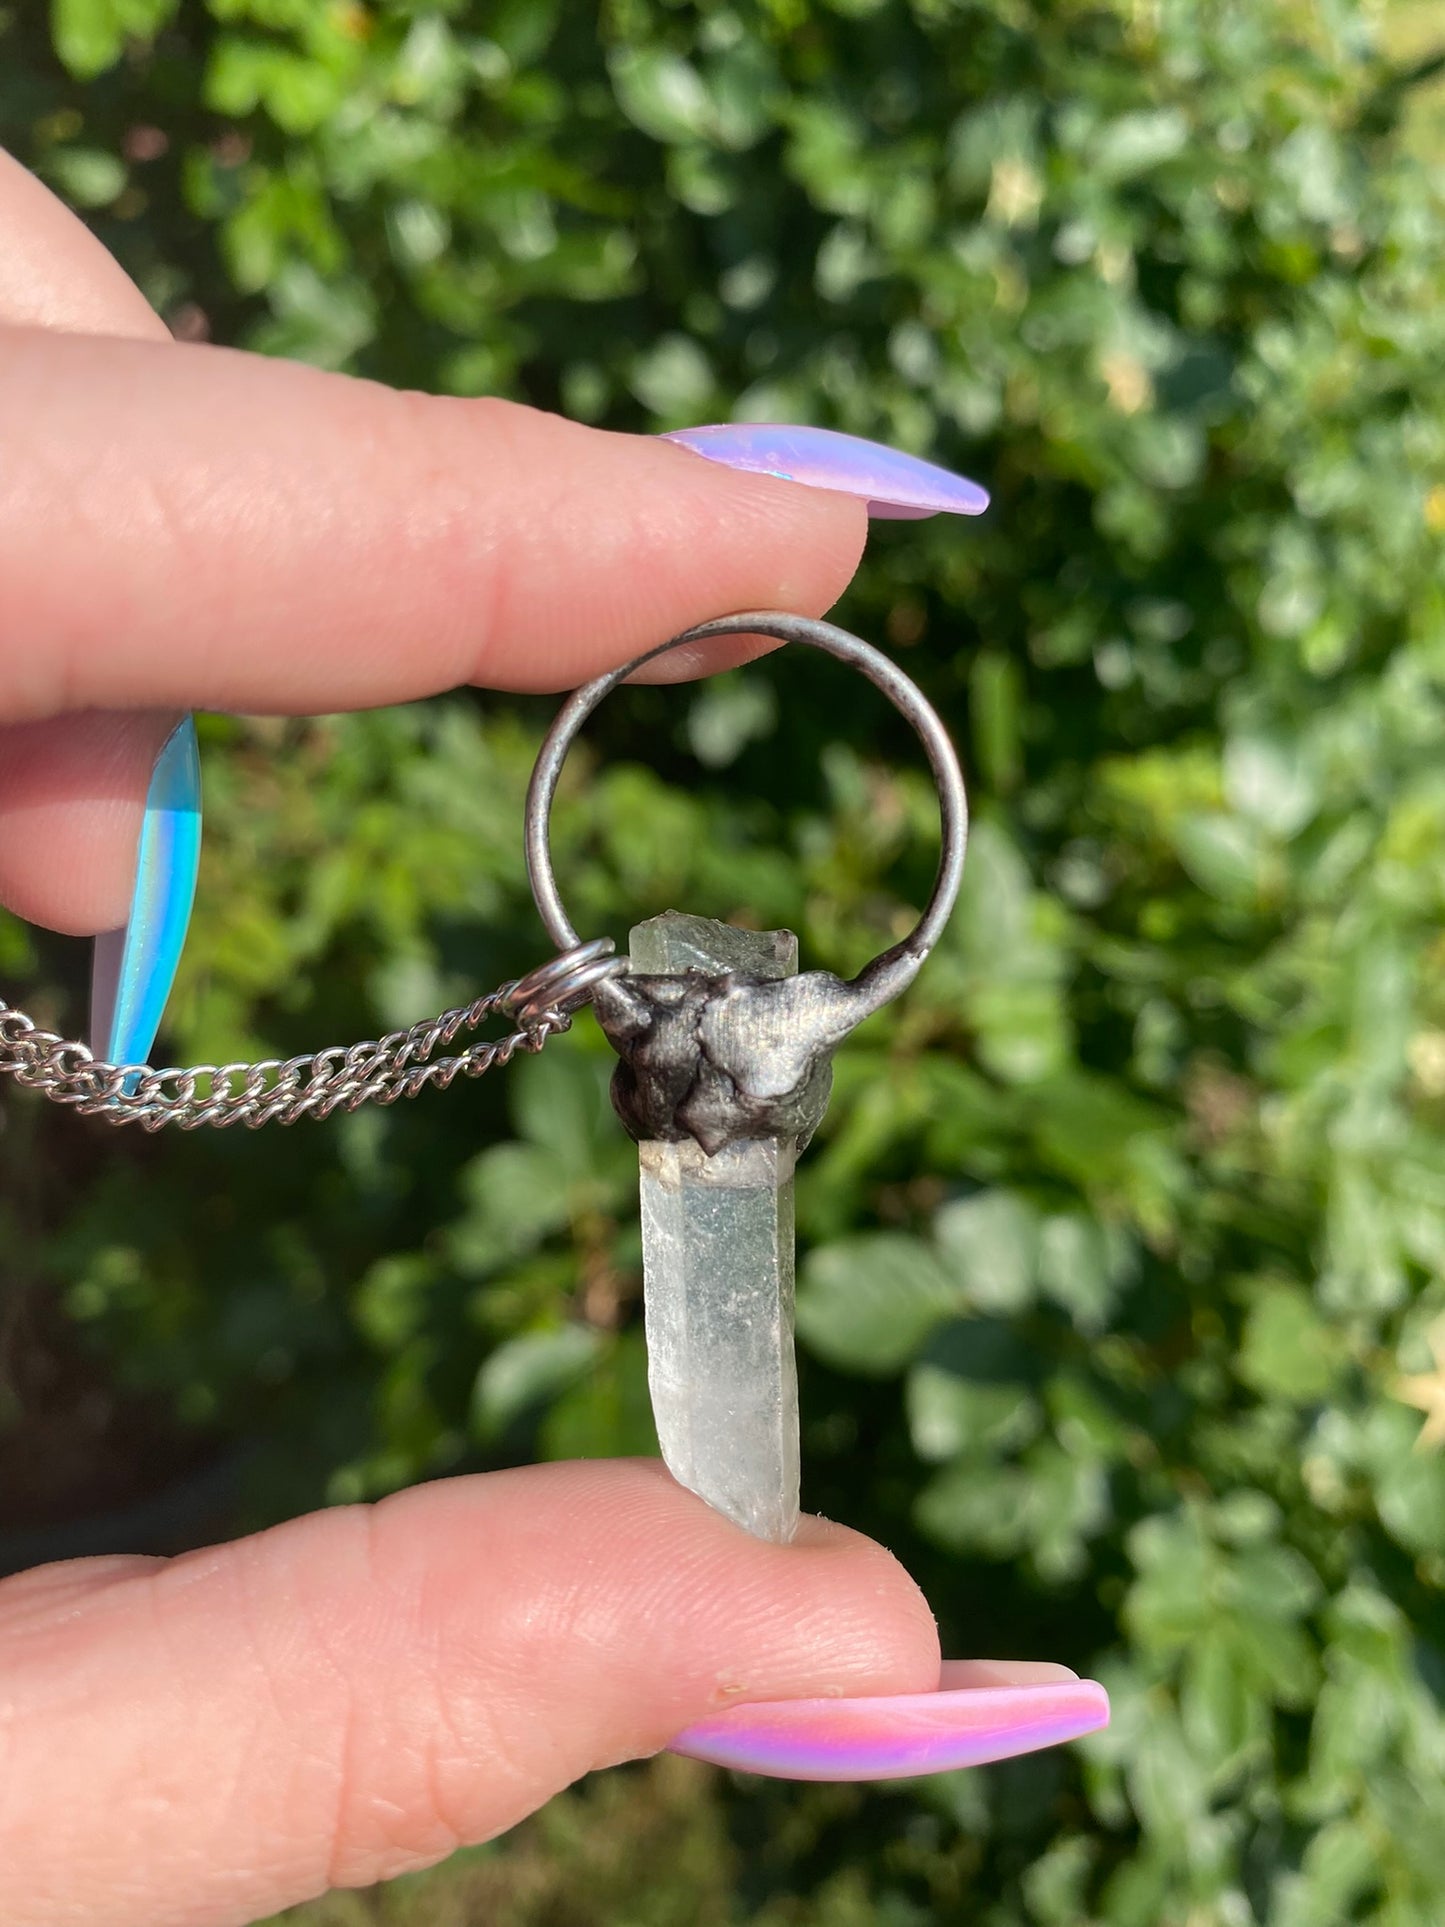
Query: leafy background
{"type": "Point", "coordinates": [1124, 1225]}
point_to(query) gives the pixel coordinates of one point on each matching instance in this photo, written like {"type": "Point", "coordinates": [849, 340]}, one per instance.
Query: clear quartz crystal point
{"type": "Point", "coordinates": [718, 1274]}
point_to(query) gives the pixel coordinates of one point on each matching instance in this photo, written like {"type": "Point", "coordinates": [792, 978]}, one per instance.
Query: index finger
{"type": "Point", "coordinates": [200, 528]}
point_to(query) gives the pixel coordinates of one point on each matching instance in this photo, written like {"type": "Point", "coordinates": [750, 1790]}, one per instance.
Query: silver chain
{"type": "Point", "coordinates": [280, 1090]}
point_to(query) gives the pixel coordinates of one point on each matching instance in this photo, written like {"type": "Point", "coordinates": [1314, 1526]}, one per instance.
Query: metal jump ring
{"type": "Point", "coordinates": [895, 965]}
{"type": "Point", "coordinates": [566, 982]}
{"type": "Point", "coordinates": [564, 979]}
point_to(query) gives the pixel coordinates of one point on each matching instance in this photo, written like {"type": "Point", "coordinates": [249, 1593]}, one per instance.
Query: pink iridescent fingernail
{"type": "Point", "coordinates": [894, 485]}
{"type": "Point", "coordinates": [898, 1737]}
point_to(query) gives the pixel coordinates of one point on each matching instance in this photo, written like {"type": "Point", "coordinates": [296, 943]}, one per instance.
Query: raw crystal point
{"type": "Point", "coordinates": [718, 1274]}
{"type": "Point", "coordinates": [717, 1239]}
{"type": "Point", "coordinates": [668, 945]}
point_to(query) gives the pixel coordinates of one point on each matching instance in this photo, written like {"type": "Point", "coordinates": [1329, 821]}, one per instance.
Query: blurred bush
{"type": "Point", "coordinates": [1125, 1223]}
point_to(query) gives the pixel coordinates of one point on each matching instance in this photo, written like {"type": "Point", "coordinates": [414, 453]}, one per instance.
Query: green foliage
{"type": "Point", "coordinates": [1124, 1222]}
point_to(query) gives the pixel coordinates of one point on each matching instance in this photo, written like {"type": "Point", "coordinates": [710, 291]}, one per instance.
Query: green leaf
{"type": "Point", "coordinates": [1097, 1132]}
{"type": "Point", "coordinates": [527, 1371]}
{"type": "Point", "coordinates": [86, 176]}
{"type": "Point", "coordinates": [1222, 1709]}
{"type": "Point", "coordinates": [315, 319]}
{"type": "Point", "coordinates": [949, 1416]}
{"type": "Point", "coordinates": [517, 1194]}
{"type": "Point", "coordinates": [1268, 778]}
{"type": "Point", "coordinates": [1046, 1507]}
{"type": "Point", "coordinates": [1172, 1599]}
{"type": "Point", "coordinates": [1341, 1867]}
{"type": "Point", "coordinates": [297, 93]}
{"type": "Point", "coordinates": [1168, 1783]}
{"type": "Point", "coordinates": [661, 93]}
{"type": "Point", "coordinates": [1055, 1885]}
{"type": "Point", "coordinates": [561, 1105]}
{"type": "Point", "coordinates": [1023, 1033]}
{"type": "Point", "coordinates": [1083, 1265]}
{"type": "Point", "coordinates": [606, 1413]}
{"type": "Point", "coordinates": [728, 714]}
{"type": "Point", "coordinates": [996, 696]}
{"type": "Point", "coordinates": [674, 379]}
{"type": "Point", "coordinates": [1225, 855]}
{"type": "Point", "coordinates": [977, 1506]}
{"type": "Point", "coordinates": [989, 1243]}
{"type": "Point", "coordinates": [1067, 1506]}
{"type": "Point", "coordinates": [1411, 1501]}
{"type": "Point", "coordinates": [868, 1303]}
{"type": "Point", "coordinates": [1280, 1657]}
{"type": "Point", "coordinates": [90, 35]}
{"type": "Point", "coordinates": [392, 1299]}
{"type": "Point", "coordinates": [1288, 1350]}
{"type": "Point", "coordinates": [1134, 143]}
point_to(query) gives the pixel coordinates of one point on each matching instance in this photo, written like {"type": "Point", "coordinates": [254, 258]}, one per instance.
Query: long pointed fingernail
{"type": "Point", "coordinates": [135, 967]}
{"type": "Point", "coordinates": [898, 1737]}
{"type": "Point", "coordinates": [893, 484]}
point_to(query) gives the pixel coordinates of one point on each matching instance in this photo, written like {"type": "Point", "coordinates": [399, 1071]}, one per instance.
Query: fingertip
{"type": "Point", "coordinates": [907, 1627]}
{"type": "Point", "coordinates": [704, 540]}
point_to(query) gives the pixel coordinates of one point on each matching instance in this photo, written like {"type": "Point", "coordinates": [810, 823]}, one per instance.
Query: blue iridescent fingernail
{"type": "Point", "coordinates": [135, 967]}
{"type": "Point", "coordinates": [895, 486]}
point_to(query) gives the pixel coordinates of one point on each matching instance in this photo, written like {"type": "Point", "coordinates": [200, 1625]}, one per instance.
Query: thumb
{"type": "Point", "coordinates": [209, 1739]}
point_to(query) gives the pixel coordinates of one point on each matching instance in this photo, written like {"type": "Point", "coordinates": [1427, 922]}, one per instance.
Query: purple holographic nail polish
{"type": "Point", "coordinates": [895, 486]}
{"type": "Point", "coordinates": [896, 1737]}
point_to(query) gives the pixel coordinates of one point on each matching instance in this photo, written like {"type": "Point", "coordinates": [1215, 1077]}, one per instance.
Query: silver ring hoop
{"type": "Point", "coordinates": [888, 973]}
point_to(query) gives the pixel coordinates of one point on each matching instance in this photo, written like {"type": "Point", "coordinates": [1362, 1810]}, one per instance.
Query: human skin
{"type": "Point", "coordinates": [189, 527]}
{"type": "Point", "coordinates": [208, 1739]}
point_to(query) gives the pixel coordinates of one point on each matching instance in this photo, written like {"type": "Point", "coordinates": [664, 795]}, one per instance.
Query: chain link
{"type": "Point", "coordinates": [281, 1090]}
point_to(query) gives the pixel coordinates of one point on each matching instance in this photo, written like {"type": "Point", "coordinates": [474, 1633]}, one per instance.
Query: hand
{"type": "Point", "coordinates": [188, 527]}
{"type": "Point", "coordinates": [210, 1738]}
